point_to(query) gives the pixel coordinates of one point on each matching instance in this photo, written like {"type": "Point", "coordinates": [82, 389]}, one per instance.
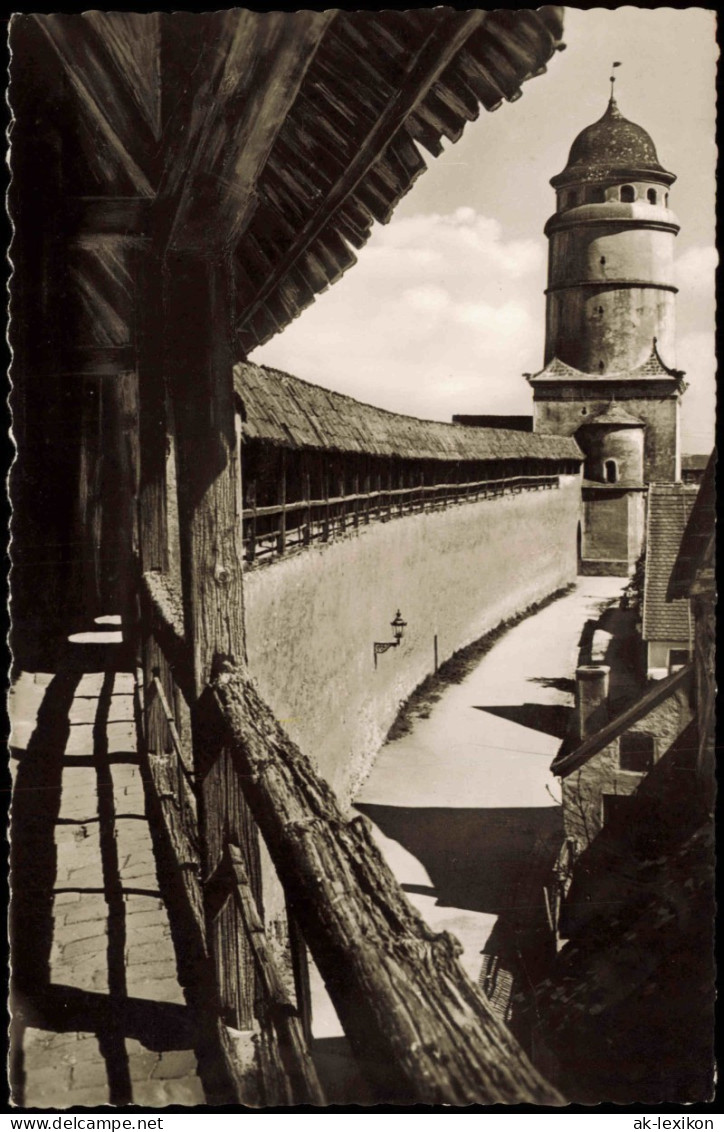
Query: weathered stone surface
{"type": "Point", "coordinates": [158, 1094]}
{"type": "Point", "coordinates": [91, 907]}
{"type": "Point", "coordinates": [159, 953]}
{"type": "Point", "coordinates": [176, 1063]}
{"type": "Point", "coordinates": [67, 1068]}
{"type": "Point", "coordinates": [156, 987]}
{"type": "Point", "coordinates": [71, 933]}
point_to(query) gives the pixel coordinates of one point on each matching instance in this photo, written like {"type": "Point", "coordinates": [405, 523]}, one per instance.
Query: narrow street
{"type": "Point", "coordinates": [464, 806]}
{"type": "Point", "coordinates": [460, 803]}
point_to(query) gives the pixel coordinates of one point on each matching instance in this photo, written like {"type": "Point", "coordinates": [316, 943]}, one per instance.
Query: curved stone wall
{"type": "Point", "coordinates": [312, 618]}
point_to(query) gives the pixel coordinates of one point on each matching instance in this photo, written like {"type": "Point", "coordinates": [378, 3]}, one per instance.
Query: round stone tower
{"type": "Point", "coordinates": [610, 267]}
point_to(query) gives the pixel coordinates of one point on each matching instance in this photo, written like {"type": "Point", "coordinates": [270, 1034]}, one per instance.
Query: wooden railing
{"type": "Point", "coordinates": [222, 903]}
{"type": "Point", "coordinates": [408, 1008]}
{"type": "Point", "coordinates": [322, 519]}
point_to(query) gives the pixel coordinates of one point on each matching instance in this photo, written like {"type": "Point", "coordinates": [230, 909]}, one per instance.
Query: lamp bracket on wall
{"type": "Point", "coordinates": [398, 629]}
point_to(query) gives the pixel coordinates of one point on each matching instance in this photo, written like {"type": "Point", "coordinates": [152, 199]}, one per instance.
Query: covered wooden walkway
{"type": "Point", "coordinates": [183, 186]}
{"type": "Point", "coordinates": [99, 1014]}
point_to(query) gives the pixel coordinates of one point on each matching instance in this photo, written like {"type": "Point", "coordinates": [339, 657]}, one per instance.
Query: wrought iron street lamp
{"type": "Point", "coordinates": [398, 631]}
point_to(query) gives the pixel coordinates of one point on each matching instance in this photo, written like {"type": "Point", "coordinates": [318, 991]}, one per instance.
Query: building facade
{"type": "Point", "coordinates": [608, 377]}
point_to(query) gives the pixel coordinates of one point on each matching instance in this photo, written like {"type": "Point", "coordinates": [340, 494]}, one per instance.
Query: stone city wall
{"type": "Point", "coordinates": [312, 618]}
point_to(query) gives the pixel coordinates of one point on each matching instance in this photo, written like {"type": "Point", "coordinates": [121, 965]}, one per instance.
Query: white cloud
{"type": "Point", "coordinates": [695, 269]}
{"type": "Point", "coordinates": [696, 355]}
{"type": "Point", "coordinates": [441, 315]}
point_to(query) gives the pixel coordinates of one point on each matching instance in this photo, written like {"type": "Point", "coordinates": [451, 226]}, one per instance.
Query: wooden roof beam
{"type": "Point", "coordinates": [103, 93]}
{"type": "Point", "coordinates": [215, 153]}
{"type": "Point", "coordinates": [435, 54]}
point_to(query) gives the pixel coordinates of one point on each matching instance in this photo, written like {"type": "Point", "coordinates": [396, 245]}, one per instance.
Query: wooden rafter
{"type": "Point", "coordinates": [250, 72]}
{"type": "Point", "coordinates": [104, 94]}
{"type": "Point", "coordinates": [425, 67]}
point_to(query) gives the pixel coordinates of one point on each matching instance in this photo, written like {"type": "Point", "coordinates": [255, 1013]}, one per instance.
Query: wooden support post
{"type": "Point", "coordinates": [155, 444]}
{"type": "Point", "coordinates": [325, 494]}
{"type": "Point", "coordinates": [307, 496]}
{"type": "Point", "coordinates": [367, 489]}
{"type": "Point", "coordinates": [251, 529]}
{"type": "Point", "coordinates": [282, 536]}
{"type": "Point", "coordinates": [198, 325]}
{"type": "Point", "coordinates": [355, 489]}
{"type": "Point", "coordinates": [342, 494]}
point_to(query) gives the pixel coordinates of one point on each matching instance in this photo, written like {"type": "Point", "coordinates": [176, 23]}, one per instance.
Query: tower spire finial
{"type": "Point", "coordinates": [612, 80]}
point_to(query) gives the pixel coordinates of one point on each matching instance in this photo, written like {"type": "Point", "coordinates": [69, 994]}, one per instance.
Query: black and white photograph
{"type": "Point", "coordinates": [362, 584]}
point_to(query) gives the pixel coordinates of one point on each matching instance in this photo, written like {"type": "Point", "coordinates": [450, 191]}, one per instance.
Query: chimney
{"type": "Point", "coordinates": [591, 698]}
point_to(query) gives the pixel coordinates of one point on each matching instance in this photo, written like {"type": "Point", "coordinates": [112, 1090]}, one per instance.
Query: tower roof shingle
{"type": "Point", "coordinates": [610, 146]}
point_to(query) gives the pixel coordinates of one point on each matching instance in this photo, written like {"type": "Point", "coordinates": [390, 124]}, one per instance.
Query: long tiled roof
{"type": "Point", "coordinates": [286, 411]}
{"type": "Point", "coordinates": [668, 510]}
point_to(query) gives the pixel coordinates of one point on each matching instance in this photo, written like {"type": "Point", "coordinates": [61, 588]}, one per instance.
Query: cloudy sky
{"type": "Point", "coordinates": [444, 311]}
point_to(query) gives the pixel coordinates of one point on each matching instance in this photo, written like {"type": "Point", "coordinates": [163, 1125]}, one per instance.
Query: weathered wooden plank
{"type": "Point", "coordinates": [132, 41]}
{"type": "Point", "coordinates": [424, 134]}
{"type": "Point", "coordinates": [300, 1070]}
{"type": "Point", "coordinates": [454, 93]}
{"type": "Point", "coordinates": [479, 80]}
{"type": "Point", "coordinates": [103, 96]}
{"type": "Point", "coordinates": [441, 118]}
{"type": "Point", "coordinates": [201, 364]}
{"type": "Point", "coordinates": [407, 1007]}
{"type": "Point", "coordinates": [234, 121]}
{"type": "Point", "coordinates": [334, 254]}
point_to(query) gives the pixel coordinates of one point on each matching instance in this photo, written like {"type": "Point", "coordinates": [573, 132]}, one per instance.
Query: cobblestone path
{"type": "Point", "coordinates": [98, 1015]}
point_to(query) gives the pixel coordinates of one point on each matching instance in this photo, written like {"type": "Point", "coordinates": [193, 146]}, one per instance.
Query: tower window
{"type": "Point", "coordinates": [628, 194]}
{"type": "Point", "coordinates": [603, 261]}
{"type": "Point", "coordinates": [571, 200]}
{"type": "Point", "coordinates": [600, 310]}
{"type": "Point", "coordinates": [596, 195]}
{"type": "Point", "coordinates": [636, 752]}
{"type": "Point", "coordinates": [666, 199]}
{"type": "Point", "coordinates": [652, 196]}
{"type": "Point", "coordinates": [610, 471]}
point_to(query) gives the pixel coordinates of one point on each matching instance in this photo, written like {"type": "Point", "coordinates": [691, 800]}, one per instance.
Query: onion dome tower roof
{"type": "Point", "coordinates": [612, 147]}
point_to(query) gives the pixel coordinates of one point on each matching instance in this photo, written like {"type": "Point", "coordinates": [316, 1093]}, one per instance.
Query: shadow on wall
{"type": "Point", "coordinates": [476, 859]}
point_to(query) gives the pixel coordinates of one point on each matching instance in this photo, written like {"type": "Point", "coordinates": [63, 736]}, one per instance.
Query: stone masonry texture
{"type": "Point", "coordinates": [98, 1015]}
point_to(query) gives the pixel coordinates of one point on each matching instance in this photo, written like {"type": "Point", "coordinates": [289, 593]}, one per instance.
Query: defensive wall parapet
{"type": "Point", "coordinates": [351, 513]}
{"type": "Point", "coordinates": [312, 618]}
